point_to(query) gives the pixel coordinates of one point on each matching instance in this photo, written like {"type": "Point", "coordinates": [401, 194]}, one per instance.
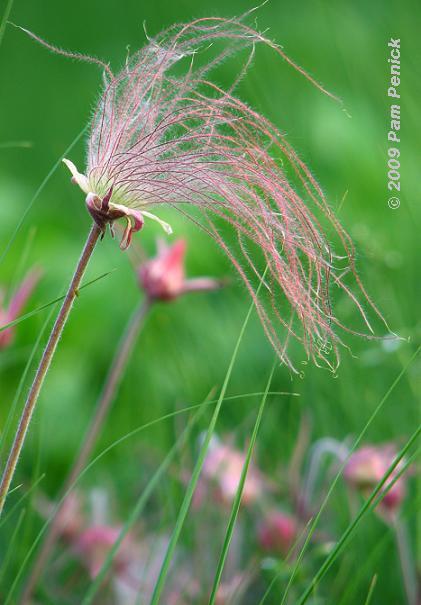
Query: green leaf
{"type": "Point", "coordinates": [239, 493]}
{"type": "Point", "coordinates": [340, 471]}
{"type": "Point", "coordinates": [46, 179]}
{"type": "Point", "coordinates": [52, 302]}
{"type": "Point", "coordinates": [134, 515]}
{"type": "Point", "coordinates": [370, 504]}
{"type": "Point", "coordinates": [4, 19]}
{"type": "Point", "coordinates": [197, 469]}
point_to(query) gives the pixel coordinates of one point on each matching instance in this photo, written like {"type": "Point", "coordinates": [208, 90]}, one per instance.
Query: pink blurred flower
{"type": "Point", "coordinates": [277, 532]}
{"type": "Point", "coordinates": [12, 311]}
{"type": "Point", "coordinates": [164, 134]}
{"type": "Point", "coordinates": [222, 470]}
{"type": "Point", "coordinates": [163, 277]}
{"type": "Point", "coordinates": [94, 544]}
{"type": "Point", "coordinates": [70, 519]}
{"type": "Point", "coordinates": [368, 465]}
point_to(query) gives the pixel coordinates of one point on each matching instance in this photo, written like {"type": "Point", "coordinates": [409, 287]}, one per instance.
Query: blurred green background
{"type": "Point", "coordinates": [185, 347]}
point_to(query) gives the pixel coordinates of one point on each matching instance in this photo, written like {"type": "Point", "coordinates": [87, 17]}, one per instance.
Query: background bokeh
{"type": "Point", "coordinates": [185, 347]}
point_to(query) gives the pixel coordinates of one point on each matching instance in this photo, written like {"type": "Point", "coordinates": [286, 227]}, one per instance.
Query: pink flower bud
{"type": "Point", "coordinates": [17, 302]}
{"type": "Point", "coordinates": [163, 277]}
{"type": "Point", "coordinates": [223, 467]}
{"type": "Point", "coordinates": [277, 532]}
{"type": "Point", "coordinates": [94, 545]}
{"type": "Point", "coordinates": [366, 468]}
{"type": "Point", "coordinates": [70, 520]}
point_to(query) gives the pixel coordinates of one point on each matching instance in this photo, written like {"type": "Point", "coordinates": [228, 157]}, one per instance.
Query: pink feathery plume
{"type": "Point", "coordinates": [164, 134]}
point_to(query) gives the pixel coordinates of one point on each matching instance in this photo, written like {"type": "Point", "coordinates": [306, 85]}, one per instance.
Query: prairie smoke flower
{"type": "Point", "coordinates": [11, 312]}
{"type": "Point", "coordinates": [164, 134]}
{"type": "Point", "coordinates": [94, 544]}
{"type": "Point", "coordinates": [367, 466]}
{"type": "Point", "coordinates": [277, 532]}
{"type": "Point", "coordinates": [163, 277]}
{"type": "Point", "coordinates": [222, 469]}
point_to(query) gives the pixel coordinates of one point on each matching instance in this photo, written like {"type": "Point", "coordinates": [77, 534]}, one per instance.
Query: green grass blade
{"type": "Point", "coordinates": [21, 499]}
{"type": "Point", "coordinates": [38, 192]}
{"type": "Point", "coordinates": [239, 493]}
{"type": "Point", "coordinates": [5, 432]}
{"type": "Point", "coordinates": [368, 505]}
{"type": "Point", "coordinates": [409, 461]}
{"type": "Point", "coordinates": [370, 560]}
{"type": "Point", "coordinates": [11, 412]}
{"type": "Point", "coordinates": [340, 471]}
{"type": "Point", "coordinates": [4, 19]}
{"type": "Point", "coordinates": [87, 468]}
{"type": "Point", "coordinates": [197, 470]}
{"type": "Point", "coordinates": [138, 509]}
{"type": "Point", "coordinates": [104, 452]}
{"type": "Point", "coordinates": [9, 551]}
{"type": "Point", "coordinates": [16, 144]}
{"type": "Point", "coordinates": [371, 590]}
{"type": "Point", "coordinates": [51, 302]}
{"type": "Point", "coordinates": [281, 566]}
{"type": "Point", "coordinates": [24, 257]}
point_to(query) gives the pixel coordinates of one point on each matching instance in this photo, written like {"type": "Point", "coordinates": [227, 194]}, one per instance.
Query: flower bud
{"type": "Point", "coordinates": [94, 545]}
{"type": "Point", "coordinates": [17, 302]}
{"type": "Point", "coordinates": [367, 467]}
{"type": "Point", "coordinates": [163, 277]}
{"type": "Point", "coordinates": [277, 532]}
{"type": "Point", "coordinates": [223, 467]}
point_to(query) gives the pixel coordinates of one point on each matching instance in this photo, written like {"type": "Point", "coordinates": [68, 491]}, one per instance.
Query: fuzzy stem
{"type": "Point", "coordinates": [44, 365]}
{"type": "Point", "coordinates": [107, 397]}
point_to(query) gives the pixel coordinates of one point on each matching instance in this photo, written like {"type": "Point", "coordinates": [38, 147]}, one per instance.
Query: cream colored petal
{"type": "Point", "coordinates": [77, 177]}
{"type": "Point", "coordinates": [166, 226]}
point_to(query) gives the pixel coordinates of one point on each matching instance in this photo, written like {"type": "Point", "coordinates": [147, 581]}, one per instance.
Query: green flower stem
{"type": "Point", "coordinates": [44, 365]}
{"type": "Point", "coordinates": [105, 401]}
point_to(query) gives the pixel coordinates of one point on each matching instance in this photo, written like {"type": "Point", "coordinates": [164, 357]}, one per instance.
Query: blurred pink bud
{"type": "Point", "coordinates": [94, 545]}
{"type": "Point", "coordinates": [10, 313]}
{"type": "Point", "coordinates": [163, 277]}
{"type": "Point", "coordinates": [70, 519]}
{"type": "Point", "coordinates": [223, 466]}
{"type": "Point", "coordinates": [277, 532]}
{"type": "Point", "coordinates": [367, 466]}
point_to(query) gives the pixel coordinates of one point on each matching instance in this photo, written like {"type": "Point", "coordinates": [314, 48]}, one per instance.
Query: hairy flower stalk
{"type": "Point", "coordinates": [44, 364]}
{"type": "Point", "coordinates": [162, 279]}
{"type": "Point", "coordinates": [114, 376]}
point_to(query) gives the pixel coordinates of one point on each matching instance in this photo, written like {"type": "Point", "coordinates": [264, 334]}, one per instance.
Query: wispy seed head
{"type": "Point", "coordinates": [165, 134]}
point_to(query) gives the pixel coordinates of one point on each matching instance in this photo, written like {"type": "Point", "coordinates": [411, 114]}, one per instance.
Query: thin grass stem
{"type": "Point", "coordinates": [406, 561]}
{"type": "Point", "coordinates": [369, 505]}
{"type": "Point", "coordinates": [239, 493]}
{"type": "Point", "coordinates": [185, 505]}
{"type": "Point", "coordinates": [105, 401]}
{"type": "Point", "coordinates": [44, 365]}
{"type": "Point", "coordinates": [4, 19]}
